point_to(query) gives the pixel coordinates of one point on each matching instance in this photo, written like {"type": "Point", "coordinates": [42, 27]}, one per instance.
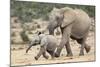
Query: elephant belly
{"type": "Point", "coordinates": [52, 43]}
{"type": "Point", "coordinates": [81, 24]}
{"type": "Point", "coordinates": [79, 30]}
{"type": "Point", "coordinates": [51, 47]}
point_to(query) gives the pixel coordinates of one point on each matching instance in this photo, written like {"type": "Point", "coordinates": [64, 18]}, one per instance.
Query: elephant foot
{"type": "Point", "coordinates": [35, 58]}
{"type": "Point", "coordinates": [88, 48]}
{"type": "Point", "coordinates": [57, 55]}
{"type": "Point", "coordinates": [69, 55]}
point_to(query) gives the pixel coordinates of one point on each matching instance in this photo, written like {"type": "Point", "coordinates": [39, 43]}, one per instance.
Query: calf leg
{"type": "Point", "coordinates": [51, 53]}
{"type": "Point", "coordinates": [42, 50]}
{"type": "Point", "coordinates": [45, 56]}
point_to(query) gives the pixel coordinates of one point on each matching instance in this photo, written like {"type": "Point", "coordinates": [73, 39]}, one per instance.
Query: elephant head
{"type": "Point", "coordinates": [36, 38]}
{"type": "Point", "coordinates": [35, 41]}
{"type": "Point", "coordinates": [57, 18]}
{"type": "Point", "coordinates": [74, 23]}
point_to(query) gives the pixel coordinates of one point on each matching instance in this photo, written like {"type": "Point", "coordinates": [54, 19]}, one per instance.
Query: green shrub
{"type": "Point", "coordinates": [26, 11]}
{"type": "Point", "coordinates": [13, 34]}
{"type": "Point", "coordinates": [24, 36]}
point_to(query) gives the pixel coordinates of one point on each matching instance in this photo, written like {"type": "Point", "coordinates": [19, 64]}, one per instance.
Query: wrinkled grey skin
{"type": "Point", "coordinates": [74, 23]}
{"type": "Point", "coordinates": [48, 43]}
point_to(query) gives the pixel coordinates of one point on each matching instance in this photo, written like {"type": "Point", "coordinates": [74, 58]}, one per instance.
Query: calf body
{"type": "Point", "coordinates": [48, 43]}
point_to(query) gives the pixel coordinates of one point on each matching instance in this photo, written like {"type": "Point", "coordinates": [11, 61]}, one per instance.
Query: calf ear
{"type": "Point", "coordinates": [39, 33]}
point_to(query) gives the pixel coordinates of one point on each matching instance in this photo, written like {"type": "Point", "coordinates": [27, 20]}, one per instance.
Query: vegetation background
{"type": "Point", "coordinates": [28, 10]}
{"type": "Point", "coordinates": [29, 17]}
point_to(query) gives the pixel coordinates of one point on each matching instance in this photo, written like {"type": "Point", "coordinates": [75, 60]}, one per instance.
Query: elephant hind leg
{"type": "Point", "coordinates": [83, 45]}
{"type": "Point", "coordinates": [80, 41]}
{"type": "Point", "coordinates": [87, 48]}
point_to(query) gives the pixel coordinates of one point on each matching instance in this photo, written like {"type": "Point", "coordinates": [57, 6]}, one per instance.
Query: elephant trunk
{"type": "Point", "coordinates": [51, 29]}
{"type": "Point", "coordinates": [29, 47]}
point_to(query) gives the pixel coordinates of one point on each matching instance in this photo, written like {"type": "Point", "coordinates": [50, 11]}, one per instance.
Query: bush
{"type": "Point", "coordinates": [38, 26]}
{"type": "Point", "coordinates": [26, 11]}
{"type": "Point", "coordinates": [13, 34]}
{"type": "Point", "coordinates": [24, 36]}
{"type": "Point", "coordinates": [12, 42]}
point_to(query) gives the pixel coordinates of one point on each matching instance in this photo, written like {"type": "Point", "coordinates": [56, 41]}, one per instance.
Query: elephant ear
{"type": "Point", "coordinates": [68, 16]}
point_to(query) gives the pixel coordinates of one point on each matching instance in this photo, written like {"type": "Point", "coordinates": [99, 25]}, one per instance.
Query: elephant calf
{"type": "Point", "coordinates": [48, 43]}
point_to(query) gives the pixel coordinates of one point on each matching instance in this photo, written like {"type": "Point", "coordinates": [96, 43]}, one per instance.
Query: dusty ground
{"type": "Point", "coordinates": [19, 57]}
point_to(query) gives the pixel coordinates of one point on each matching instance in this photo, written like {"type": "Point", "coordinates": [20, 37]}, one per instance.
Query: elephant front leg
{"type": "Point", "coordinates": [68, 49]}
{"type": "Point", "coordinates": [64, 41]}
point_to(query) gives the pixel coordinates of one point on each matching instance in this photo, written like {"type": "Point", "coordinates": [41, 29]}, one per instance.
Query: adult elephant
{"type": "Point", "coordinates": [74, 23]}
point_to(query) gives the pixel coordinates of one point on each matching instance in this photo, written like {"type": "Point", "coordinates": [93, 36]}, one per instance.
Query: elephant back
{"type": "Point", "coordinates": [82, 15]}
